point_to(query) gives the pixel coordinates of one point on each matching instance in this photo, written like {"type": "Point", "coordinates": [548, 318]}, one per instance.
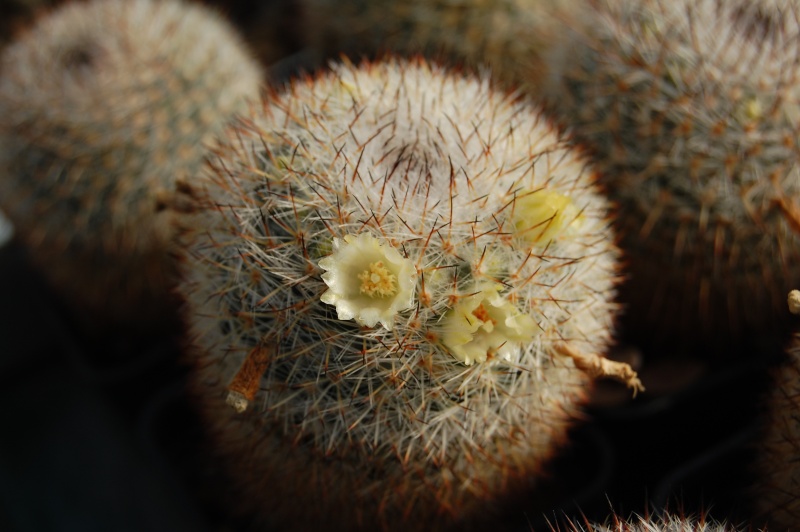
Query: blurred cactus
{"type": "Point", "coordinates": [397, 280]}
{"type": "Point", "coordinates": [663, 523]}
{"type": "Point", "coordinates": [104, 107]}
{"type": "Point", "coordinates": [508, 36]}
{"type": "Point", "coordinates": [691, 108]}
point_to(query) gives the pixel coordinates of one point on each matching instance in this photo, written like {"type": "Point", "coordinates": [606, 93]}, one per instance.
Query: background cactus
{"type": "Point", "coordinates": [777, 494]}
{"type": "Point", "coordinates": [104, 107]}
{"type": "Point", "coordinates": [691, 108]}
{"type": "Point", "coordinates": [664, 523]}
{"type": "Point", "coordinates": [392, 276]}
{"type": "Point", "coordinates": [508, 36]}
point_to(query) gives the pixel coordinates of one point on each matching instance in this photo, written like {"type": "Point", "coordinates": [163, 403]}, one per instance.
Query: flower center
{"type": "Point", "coordinates": [482, 314]}
{"type": "Point", "coordinates": [377, 281]}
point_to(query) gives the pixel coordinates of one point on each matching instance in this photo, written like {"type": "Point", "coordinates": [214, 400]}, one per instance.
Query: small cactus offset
{"type": "Point", "coordinates": [106, 107]}
{"type": "Point", "coordinates": [691, 108]}
{"type": "Point", "coordinates": [508, 36]}
{"type": "Point", "coordinates": [398, 280]}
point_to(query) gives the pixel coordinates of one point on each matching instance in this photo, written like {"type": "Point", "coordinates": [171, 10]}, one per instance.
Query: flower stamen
{"type": "Point", "coordinates": [377, 281]}
{"type": "Point", "coordinates": [486, 325]}
{"type": "Point", "coordinates": [482, 314]}
{"type": "Point", "coordinates": [371, 295]}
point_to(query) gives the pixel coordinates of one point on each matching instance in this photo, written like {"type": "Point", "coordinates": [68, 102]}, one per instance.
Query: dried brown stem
{"type": "Point", "coordinates": [244, 386]}
{"type": "Point", "coordinates": [596, 366]}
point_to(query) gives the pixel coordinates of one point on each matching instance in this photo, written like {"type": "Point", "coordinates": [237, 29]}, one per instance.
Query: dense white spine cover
{"type": "Point", "coordinates": [663, 523]}
{"type": "Point", "coordinates": [433, 165]}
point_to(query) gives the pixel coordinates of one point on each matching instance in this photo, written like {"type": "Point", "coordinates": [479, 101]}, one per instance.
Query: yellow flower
{"type": "Point", "coordinates": [367, 281]}
{"type": "Point", "coordinates": [486, 323]}
{"type": "Point", "coordinates": [543, 215]}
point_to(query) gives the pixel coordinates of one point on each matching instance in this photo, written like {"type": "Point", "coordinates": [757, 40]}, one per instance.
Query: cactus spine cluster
{"type": "Point", "coordinates": [105, 107]}
{"type": "Point", "coordinates": [664, 523]}
{"type": "Point", "coordinates": [393, 276]}
{"type": "Point", "coordinates": [507, 36]}
{"type": "Point", "coordinates": [691, 108]}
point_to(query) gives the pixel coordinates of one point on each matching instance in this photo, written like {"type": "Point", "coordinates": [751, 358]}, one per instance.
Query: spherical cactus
{"type": "Point", "coordinates": [397, 279]}
{"type": "Point", "coordinates": [106, 107]}
{"type": "Point", "coordinates": [664, 523]}
{"type": "Point", "coordinates": [508, 36]}
{"type": "Point", "coordinates": [691, 108]}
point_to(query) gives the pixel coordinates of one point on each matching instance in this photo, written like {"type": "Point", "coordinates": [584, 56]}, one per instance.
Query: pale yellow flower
{"type": "Point", "coordinates": [543, 215]}
{"type": "Point", "coordinates": [484, 324]}
{"type": "Point", "coordinates": [367, 282]}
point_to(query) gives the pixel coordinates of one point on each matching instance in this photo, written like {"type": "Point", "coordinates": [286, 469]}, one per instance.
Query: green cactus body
{"type": "Point", "coordinates": [508, 36]}
{"type": "Point", "coordinates": [381, 272]}
{"type": "Point", "coordinates": [104, 107]}
{"type": "Point", "coordinates": [691, 108]}
{"type": "Point", "coordinates": [777, 493]}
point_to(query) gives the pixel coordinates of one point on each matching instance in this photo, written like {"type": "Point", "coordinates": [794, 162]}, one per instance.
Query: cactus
{"type": "Point", "coordinates": [508, 36]}
{"type": "Point", "coordinates": [664, 523]}
{"type": "Point", "coordinates": [691, 109]}
{"type": "Point", "coordinates": [105, 107]}
{"type": "Point", "coordinates": [397, 279]}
